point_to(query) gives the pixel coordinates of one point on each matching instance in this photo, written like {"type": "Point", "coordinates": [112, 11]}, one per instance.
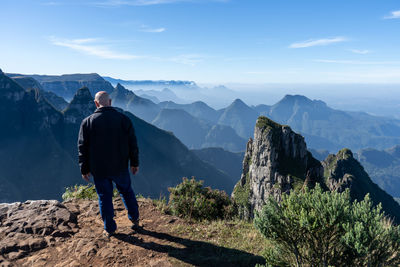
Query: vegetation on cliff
{"type": "Point", "coordinates": [317, 228]}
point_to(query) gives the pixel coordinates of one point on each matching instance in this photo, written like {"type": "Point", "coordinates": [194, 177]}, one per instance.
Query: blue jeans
{"type": "Point", "coordinates": [104, 189]}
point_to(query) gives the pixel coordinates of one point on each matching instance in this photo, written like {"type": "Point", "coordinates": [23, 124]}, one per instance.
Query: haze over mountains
{"type": "Point", "coordinates": [323, 127]}
{"type": "Point", "coordinates": [197, 125]}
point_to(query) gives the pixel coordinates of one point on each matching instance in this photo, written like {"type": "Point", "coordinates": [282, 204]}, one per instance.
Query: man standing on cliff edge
{"type": "Point", "coordinates": [106, 144]}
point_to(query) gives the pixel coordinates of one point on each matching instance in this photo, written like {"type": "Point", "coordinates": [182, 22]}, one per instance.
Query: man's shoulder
{"type": "Point", "coordinates": [121, 114]}
{"type": "Point", "coordinates": [87, 119]}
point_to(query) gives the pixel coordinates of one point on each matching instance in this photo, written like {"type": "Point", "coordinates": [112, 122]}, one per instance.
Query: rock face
{"type": "Point", "coordinates": [343, 171]}
{"type": "Point", "coordinates": [276, 161]}
{"type": "Point", "coordinates": [33, 225]}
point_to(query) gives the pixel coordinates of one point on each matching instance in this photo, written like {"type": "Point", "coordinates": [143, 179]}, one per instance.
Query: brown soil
{"type": "Point", "coordinates": [153, 245]}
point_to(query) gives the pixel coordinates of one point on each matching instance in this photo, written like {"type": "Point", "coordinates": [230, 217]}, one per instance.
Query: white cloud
{"type": "Point", "coordinates": [361, 52]}
{"type": "Point", "coordinates": [157, 30]}
{"type": "Point", "coordinates": [393, 15]}
{"type": "Point", "coordinates": [318, 42]}
{"type": "Point", "coordinates": [355, 62]}
{"type": "Point", "coordinates": [145, 28]}
{"type": "Point", "coordinates": [90, 46]}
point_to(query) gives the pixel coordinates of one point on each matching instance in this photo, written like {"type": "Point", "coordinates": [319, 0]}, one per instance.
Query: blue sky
{"type": "Point", "coordinates": [208, 41]}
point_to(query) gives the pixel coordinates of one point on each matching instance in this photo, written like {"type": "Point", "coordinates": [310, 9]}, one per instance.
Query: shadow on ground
{"type": "Point", "coordinates": [197, 253]}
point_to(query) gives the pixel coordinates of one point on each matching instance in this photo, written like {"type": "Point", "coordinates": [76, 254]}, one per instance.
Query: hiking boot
{"type": "Point", "coordinates": [135, 225]}
{"type": "Point", "coordinates": [107, 234]}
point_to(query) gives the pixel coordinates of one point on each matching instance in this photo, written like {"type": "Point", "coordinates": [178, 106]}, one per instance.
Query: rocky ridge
{"type": "Point", "coordinates": [277, 161]}
{"type": "Point", "coordinates": [33, 225]}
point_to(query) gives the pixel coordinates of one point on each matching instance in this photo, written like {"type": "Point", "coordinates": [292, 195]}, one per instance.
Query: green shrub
{"type": "Point", "coordinates": [83, 192]}
{"type": "Point", "coordinates": [191, 200]}
{"type": "Point", "coordinates": [316, 228]}
{"type": "Point", "coordinates": [162, 204]}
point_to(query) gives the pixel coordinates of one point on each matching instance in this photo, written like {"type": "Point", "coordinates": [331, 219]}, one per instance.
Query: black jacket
{"type": "Point", "coordinates": [106, 143]}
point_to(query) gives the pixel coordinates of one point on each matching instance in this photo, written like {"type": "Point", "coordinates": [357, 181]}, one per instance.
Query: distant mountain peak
{"type": "Point", "coordinates": [81, 106]}
{"type": "Point", "coordinates": [293, 98]}
{"type": "Point", "coordinates": [120, 93]}
{"type": "Point", "coordinates": [239, 103]}
{"type": "Point", "coordinates": [300, 99]}
{"type": "Point", "coordinates": [200, 104]}
{"type": "Point", "coordinates": [119, 87]}
{"type": "Point", "coordinates": [83, 93]}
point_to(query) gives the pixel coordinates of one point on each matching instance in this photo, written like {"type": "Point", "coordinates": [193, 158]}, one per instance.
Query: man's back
{"type": "Point", "coordinates": [111, 142]}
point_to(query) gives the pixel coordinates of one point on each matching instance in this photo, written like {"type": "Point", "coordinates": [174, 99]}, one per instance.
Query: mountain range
{"type": "Point", "coordinates": [66, 85]}
{"type": "Point", "coordinates": [323, 127]}
{"type": "Point", "coordinates": [151, 84]}
{"type": "Point", "coordinates": [199, 126]}
{"type": "Point", "coordinates": [38, 153]}
{"type": "Point", "coordinates": [212, 134]}
{"type": "Point", "coordinates": [193, 131]}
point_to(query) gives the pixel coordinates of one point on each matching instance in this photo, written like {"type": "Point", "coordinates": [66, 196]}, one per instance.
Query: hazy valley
{"type": "Point", "coordinates": [197, 125]}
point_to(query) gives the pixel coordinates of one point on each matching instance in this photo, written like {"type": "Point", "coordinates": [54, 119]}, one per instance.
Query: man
{"type": "Point", "coordinates": [106, 144]}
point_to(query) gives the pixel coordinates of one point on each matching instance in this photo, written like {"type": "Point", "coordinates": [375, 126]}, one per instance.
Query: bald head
{"type": "Point", "coordinates": [102, 99]}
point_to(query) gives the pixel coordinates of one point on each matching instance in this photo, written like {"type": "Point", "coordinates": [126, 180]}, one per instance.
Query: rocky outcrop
{"type": "Point", "coordinates": [276, 161]}
{"type": "Point", "coordinates": [33, 225]}
{"type": "Point", "coordinates": [70, 234]}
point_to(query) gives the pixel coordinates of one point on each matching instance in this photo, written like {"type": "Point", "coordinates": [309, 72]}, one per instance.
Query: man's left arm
{"type": "Point", "coordinates": [133, 148]}
{"type": "Point", "coordinates": [83, 150]}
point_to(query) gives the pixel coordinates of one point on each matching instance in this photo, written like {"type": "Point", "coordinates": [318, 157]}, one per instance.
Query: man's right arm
{"type": "Point", "coordinates": [133, 147]}
{"type": "Point", "coordinates": [83, 148]}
